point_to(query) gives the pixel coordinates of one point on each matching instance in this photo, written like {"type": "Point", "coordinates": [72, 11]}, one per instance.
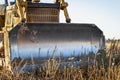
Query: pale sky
{"type": "Point", "coordinates": [104, 13]}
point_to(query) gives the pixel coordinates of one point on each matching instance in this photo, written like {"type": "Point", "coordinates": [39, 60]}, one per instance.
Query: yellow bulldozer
{"type": "Point", "coordinates": [30, 28]}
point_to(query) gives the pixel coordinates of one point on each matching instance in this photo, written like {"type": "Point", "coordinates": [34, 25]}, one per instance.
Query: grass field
{"type": "Point", "coordinates": [109, 69]}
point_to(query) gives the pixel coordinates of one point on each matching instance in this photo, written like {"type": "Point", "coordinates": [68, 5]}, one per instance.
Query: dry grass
{"type": "Point", "coordinates": [109, 69]}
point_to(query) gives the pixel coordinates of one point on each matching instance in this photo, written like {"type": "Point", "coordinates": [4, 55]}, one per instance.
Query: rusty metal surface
{"type": "Point", "coordinates": [41, 40]}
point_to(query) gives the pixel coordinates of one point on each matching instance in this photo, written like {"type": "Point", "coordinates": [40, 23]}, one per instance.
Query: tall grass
{"type": "Point", "coordinates": [105, 68]}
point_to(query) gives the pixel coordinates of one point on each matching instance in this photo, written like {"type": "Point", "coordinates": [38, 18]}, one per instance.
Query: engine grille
{"type": "Point", "coordinates": [42, 15]}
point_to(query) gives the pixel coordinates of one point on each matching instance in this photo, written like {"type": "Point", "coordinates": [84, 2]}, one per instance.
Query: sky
{"type": "Point", "coordinates": [104, 13]}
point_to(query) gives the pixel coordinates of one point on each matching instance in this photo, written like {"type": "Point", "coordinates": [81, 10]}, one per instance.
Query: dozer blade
{"type": "Point", "coordinates": [43, 40]}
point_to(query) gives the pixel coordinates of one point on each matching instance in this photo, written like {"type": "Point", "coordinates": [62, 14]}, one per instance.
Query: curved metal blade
{"type": "Point", "coordinates": [43, 40]}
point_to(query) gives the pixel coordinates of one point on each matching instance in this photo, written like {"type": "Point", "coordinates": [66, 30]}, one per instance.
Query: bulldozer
{"type": "Point", "coordinates": [30, 28]}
